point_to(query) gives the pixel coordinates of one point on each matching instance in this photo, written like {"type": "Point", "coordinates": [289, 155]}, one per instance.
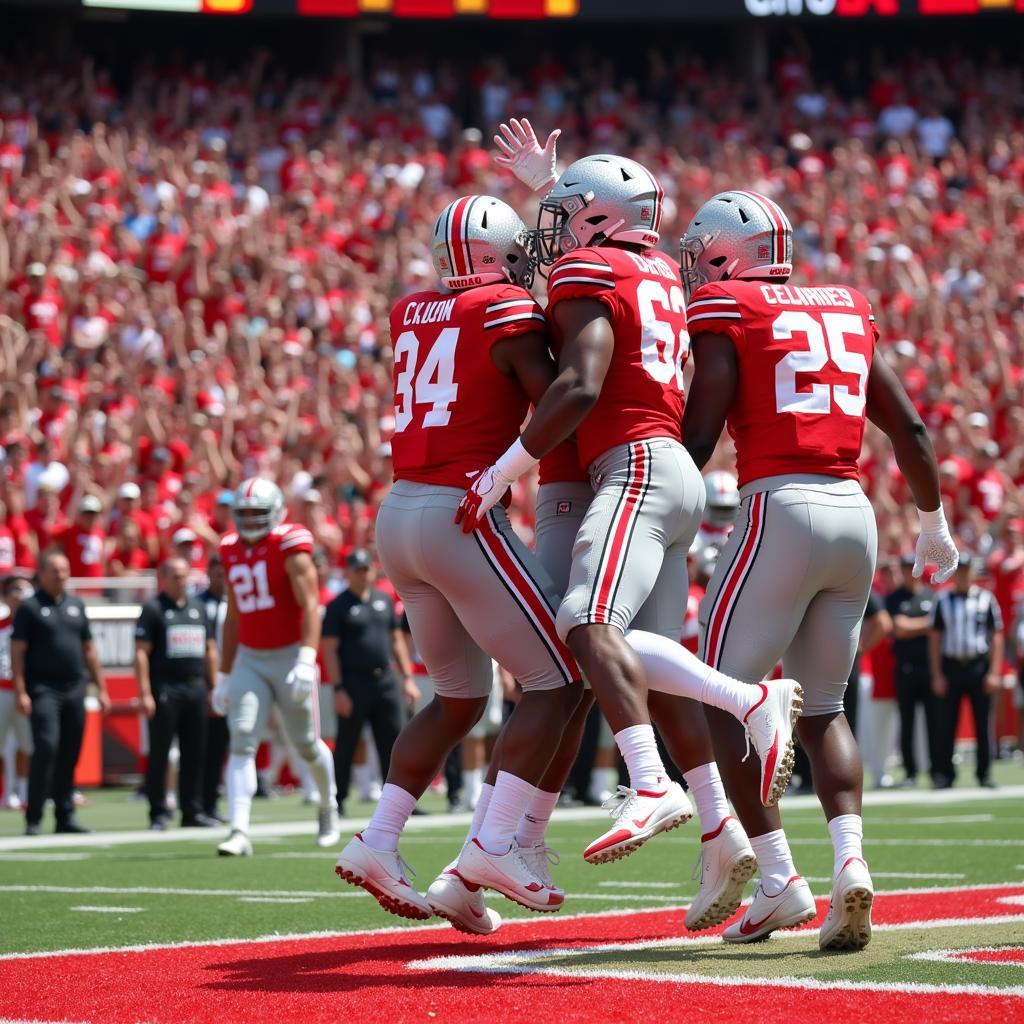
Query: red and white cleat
{"type": "Point", "coordinates": [769, 725]}
{"type": "Point", "coordinates": [639, 815]}
{"type": "Point", "coordinates": [790, 908]}
{"type": "Point", "coordinates": [539, 859]}
{"type": "Point", "coordinates": [727, 863]}
{"type": "Point", "coordinates": [509, 874]}
{"type": "Point", "coordinates": [848, 924]}
{"type": "Point", "coordinates": [382, 874]}
{"type": "Point", "coordinates": [461, 903]}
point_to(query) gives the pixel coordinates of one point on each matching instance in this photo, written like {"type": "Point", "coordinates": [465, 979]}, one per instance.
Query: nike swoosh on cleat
{"type": "Point", "coordinates": [476, 913]}
{"type": "Point", "coordinates": [748, 927]}
{"type": "Point", "coordinates": [641, 824]}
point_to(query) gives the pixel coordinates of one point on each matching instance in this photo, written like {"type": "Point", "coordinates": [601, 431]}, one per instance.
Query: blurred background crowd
{"type": "Point", "coordinates": [197, 260]}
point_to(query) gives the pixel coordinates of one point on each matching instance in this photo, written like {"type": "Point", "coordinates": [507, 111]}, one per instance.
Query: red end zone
{"type": "Point", "coordinates": [364, 975]}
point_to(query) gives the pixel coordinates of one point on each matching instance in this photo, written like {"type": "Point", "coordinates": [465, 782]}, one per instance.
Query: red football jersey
{"type": "Point", "coordinates": [691, 625]}
{"type": "Point", "coordinates": [804, 356]}
{"type": "Point", "coordinates": [84, 550]}
{"type": "Point", "coordinates": [455, 411]}
{"type": "Point", "coordinates": [268, 614]}
{"type": "Point", "coordinates": [561, 465]}
{"type": "Point", "coordinates": [642, 394]}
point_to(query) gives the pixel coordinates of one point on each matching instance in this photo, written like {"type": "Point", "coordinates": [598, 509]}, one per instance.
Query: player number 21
{"type": "Point", "coordinates": [825, 339]}
{"type": "Point", "coordinates": [252, 591]}
{"type": "Point", "coordinates": [431, 384]}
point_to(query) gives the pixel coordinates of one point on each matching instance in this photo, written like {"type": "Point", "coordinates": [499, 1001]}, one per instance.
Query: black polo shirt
{"type": "Point", "coordinates": [364, 630]}
{"type": "Point", "coordinates": [55, 632]}
{"type": "Point", "coordinates": [911, 652]}
{"type": "Point", "coordinates": [177, 636]}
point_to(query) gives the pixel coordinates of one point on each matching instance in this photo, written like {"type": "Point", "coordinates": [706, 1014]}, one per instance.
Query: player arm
{"type": "Point", "coordinates": [874, 631]}
{"type": "Point", "coordinates": [229, 635]}
{"type": "Point", "coordinates": [907, 627]}
{"type": "Point", "coordinates": [712, 390]}
{"type": "Point", "coordinates": [210, 662]}
{"type": "Point", "coordinates": [305, 586]}
{"type": "Point", "coordinates": [95, 667]}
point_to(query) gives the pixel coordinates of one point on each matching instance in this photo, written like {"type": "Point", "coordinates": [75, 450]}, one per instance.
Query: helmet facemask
{"type": "Point", "coordinates": [252, 523]}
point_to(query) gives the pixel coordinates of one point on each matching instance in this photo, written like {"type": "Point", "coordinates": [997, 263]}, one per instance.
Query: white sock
{"type": "Point", "coordinates": [671, 668]}
{"type": "Point", "coordinates": [847, 832]}
{"type": "Point", "coordinates": [504, 812]}
{"type": "Point", "coordinates": [361, 775]}
{"type": "Point", "coordinates": [21, 788]}
{"type": "Point", "coordinates": [774, 861]}
{"type": "Point", "coordinates": [241, 780]}
{"type": "Point", "coordinates": [393, 810]}
{"type": "Point", "coordinates": [640, 752]}
{"type": "Point", "coordinates": [708, 795]}
{"type": "Point", "coordinates": [321, 768]}
{"type": "Point", "coordinates": [534, 824]}
{"type": "Point", "coordinates": [472, 780]}
{"type": "Point", "coordinates": [483, 801]}
{"type": "Point", "coordinates": [603, 780]}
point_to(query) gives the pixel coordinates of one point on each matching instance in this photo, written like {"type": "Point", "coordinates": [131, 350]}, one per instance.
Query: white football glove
{"type": "Point", "coordinates": [219, 695]}
{"type": "Point", "coordinates": [303, 676]}
{"type": "Point", "coordinates": [523, 156]}
{"type": "Point", "coordinates": [491, 484]}
{"type": "Point", "coordinates": [935, 546]}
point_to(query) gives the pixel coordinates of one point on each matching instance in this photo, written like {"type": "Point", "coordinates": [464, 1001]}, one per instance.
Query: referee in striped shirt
{"type": "Point", "coordinates": [966, 652]}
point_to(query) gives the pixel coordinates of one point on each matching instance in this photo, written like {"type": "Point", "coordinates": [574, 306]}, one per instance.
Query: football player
{"type": "Point", "coordinates": [269, 648]}
{"type": "Point", "coordinates": [618, 317]}
{"type": "Point", "coordinates": [723, 499]}
{"type": "Point", "coordinates": [469, 358]}
{"type": "Point", "coordinates": [13, 590]}
{"type": "Point", "coordinates": [792, 371]}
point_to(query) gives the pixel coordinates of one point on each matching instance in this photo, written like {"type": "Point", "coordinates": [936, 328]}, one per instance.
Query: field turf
{"type": "Point", "coordinates": [948, 869]}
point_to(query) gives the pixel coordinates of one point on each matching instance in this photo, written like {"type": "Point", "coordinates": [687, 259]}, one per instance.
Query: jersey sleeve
{"type": "Point", "coordinates": [583, 274]}
{"type": "Point", "coordinates": [509, 312]}
{"type": "Point", "coordinates": [296, 539]}
{"type": "Point", "coordinates": [875, 334]}
{"type": "Point", "coordinates": [712, 310]}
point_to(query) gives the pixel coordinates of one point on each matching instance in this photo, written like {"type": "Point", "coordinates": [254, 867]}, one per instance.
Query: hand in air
{"type": "Point", "coordinates": [522, 154]}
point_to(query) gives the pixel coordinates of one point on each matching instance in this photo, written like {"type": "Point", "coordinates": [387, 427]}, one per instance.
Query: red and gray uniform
{"type": "Point", "coordinates": [793, 579]}
{"type": "Point", "coordinates": [269, 630]}
{"type": "Point", "coordinates": [629, 557]}
{"type": "Point", "coordinates": [9, 716]}
{"type": "Point", "coordinates": [563, 497]}
{"type": "Point", "coordinates": [469, 597]}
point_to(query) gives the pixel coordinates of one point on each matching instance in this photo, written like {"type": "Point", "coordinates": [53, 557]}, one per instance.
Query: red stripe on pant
{"type": "Point", "coordinates": [526, 591]}
{"type": "Point", "coordinates": [740, 568]}
{"type": "Point", "coordinates": [620, 531]}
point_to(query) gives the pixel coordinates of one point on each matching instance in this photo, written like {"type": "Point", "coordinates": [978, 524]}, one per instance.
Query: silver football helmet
{"type": "Point", "coordinates": [258, 508]}
{"type": "Point", "coordinates": [481, 240]}
{"type": "Point", "coordinates": [599, 199]}
{"type": "Point", "coordinates": [734, 235]}
{"type": "Point", "coordinates": [723, 497]}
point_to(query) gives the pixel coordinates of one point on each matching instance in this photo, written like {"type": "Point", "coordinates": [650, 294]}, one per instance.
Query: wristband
{"type": "Point", "coordinates": [934, 520]}
{"type": "Point", "coordinates": [516, 461]}
{"type": "Point", "coordinates": [306, 656]}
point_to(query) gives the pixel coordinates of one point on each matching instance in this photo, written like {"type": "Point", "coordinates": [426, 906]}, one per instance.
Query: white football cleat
{"type": "Point", "coordinates": [539, 859]}
{"type": "Point", "coordinates": [769, 726]}
{"type": "Point", "coordinates": [639, 815]}
{"type": "Point", "coordinates": [382, 874]}
{"type": "Point", "coordinates": [790, 908]}
{"type": "Point", "coordinates": [727, 863]}
{"type": "Point", "coordinates": [236, 845]}
{"type": "Point", "coordinates": [327, 833]}
{"type": "Point", "coordinates": [509, 874]}
{"type": "Point", "coordinates": [848, 924]}
{"type": "Point", "coordinates": [461, 903]}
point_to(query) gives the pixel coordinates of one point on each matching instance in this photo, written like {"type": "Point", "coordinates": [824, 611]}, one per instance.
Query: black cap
{"type": "Point", "coordinates": [359, 559]}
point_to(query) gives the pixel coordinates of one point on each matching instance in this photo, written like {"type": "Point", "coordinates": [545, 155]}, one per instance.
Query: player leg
{"type": "Point", "coordinates": [822, 652]}
{"type": "Point", "coordinates": [249, 701]}
{"type": "Point", "coordinates": [646, 500]}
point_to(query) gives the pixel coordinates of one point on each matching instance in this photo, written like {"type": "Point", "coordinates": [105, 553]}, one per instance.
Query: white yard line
{"type": "Point", "coordinates": [638, 885]}
{"type": "Point", "coordinates": [288, 829]}
{"type": "Point", "coordinates": [108, 910]}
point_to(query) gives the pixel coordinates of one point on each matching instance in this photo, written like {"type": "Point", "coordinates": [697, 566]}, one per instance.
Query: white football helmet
{"type": "Point", "coordinates": [599, 199]}
{"type": "Point", "coordinates": [258, 508]}
{"type": "Point", "coordinates": [735, 235]}
{"type": "Point", "coordinates": [481, 240]}
{"type": "Point", "coordinates": [723, 498]}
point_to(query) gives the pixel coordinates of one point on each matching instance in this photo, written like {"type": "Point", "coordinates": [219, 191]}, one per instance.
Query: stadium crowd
{"type": "Point", "coordinates": [196, 266]}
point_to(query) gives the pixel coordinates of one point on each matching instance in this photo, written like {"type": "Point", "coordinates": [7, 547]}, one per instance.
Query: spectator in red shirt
{"type": "Point", "coordinates": [8, 548]}
{"type": "Point", "coordinates": [46, 521]}
{"type": "Point", "coordinates": [84, 540]}
{"type": "Point", "coordinates": [126, 551]}
{"type": "Point", "coordinates": [128, 505]}
{"type": "Point", "coordinates": [42, 308]}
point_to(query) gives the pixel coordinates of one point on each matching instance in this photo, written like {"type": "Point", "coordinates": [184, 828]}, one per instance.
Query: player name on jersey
{"type": "Point", "coordinates": [428, 312]}
{"type": "Point", "coordinates": [795, 295]}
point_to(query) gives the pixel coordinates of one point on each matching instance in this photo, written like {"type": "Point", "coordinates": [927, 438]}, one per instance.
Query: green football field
{"type": "Point", "coordinates": [948, 869]}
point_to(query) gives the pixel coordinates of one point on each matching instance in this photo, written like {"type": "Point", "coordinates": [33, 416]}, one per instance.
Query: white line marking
{"type": "Point", "coordinates": [275, 899]}
{"type": "Point", "coordinates": [85, 909]}
{"type": "Point", "coordinates": [638, 885]}
{"type": "Point", "coordinates": [955, 956]}
{"type": "Point", "coordinates": [44, 857]}
{"type": "Point", "coordinates": [923, 876]}
{"type": "Point", "coordinates": [429, 823]}
{"type": "Point", "coordinates": [950, 819]}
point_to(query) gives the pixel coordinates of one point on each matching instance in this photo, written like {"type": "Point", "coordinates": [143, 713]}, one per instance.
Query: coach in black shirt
{"type": "Point", "coordinates": [51, 652]}
{"type": "Point", "coordinates": [911, 607]}
{"type": "Point", "coordinates": [361, 638]}
{"type": "Point", "coordinates": [966, 654]}
{"type": "Point", "coordinates": [175, 664]}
